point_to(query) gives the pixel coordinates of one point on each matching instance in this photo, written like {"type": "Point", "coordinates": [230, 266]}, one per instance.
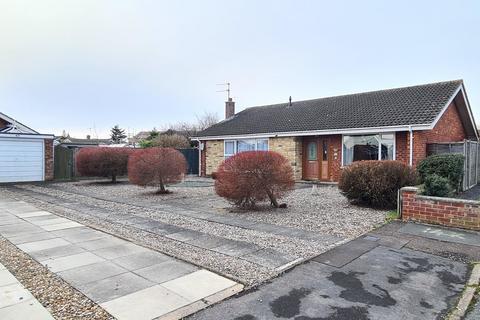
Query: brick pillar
{"type": "Point", "coordinates": [48, 144]}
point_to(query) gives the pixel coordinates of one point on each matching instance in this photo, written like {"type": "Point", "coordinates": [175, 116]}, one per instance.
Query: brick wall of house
{"type": "Point", "coordinates": [214, 155]}
{"type": "Point", "coordinates": [290, 148]}
{"type": "Point", "coordinates": [203, 159]}
{"type": "Point", "coordinates": [443, 211]}
{"type": "Point", "coordinates": [49, 159]}
{"type": "Point", "coordinates": [401, 147]}
{"type": "Point", "coordinates": [448, 129]}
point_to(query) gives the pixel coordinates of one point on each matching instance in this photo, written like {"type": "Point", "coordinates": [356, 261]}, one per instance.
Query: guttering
{"type": "Point", "coordinates": [320, 132]}
{"type": "Point", "coordinates": [410, 131]}
{"type": "Point", "coordinates": [26, 135]}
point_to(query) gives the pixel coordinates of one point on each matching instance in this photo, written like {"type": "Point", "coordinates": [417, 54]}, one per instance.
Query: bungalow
{"type": "Point", "coordinates": [321, 136]}
{"type": "Point", "coordinates": [25, 154]}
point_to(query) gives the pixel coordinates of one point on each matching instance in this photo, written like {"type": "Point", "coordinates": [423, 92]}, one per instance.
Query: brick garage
{"type": "Point", "coordinates": [442, 211]}
{"type": "Point", "coordinates": [25, 154]}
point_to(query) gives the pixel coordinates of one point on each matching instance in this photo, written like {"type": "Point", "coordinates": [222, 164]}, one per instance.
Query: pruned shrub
{"type": "Point", "coordinates": [156, 167]}
{"type": "Point", "coordinates": [375, 183]}
{"type": "Point", "coordinates": [253, 176]}
{"type": "Point", "coordinates": [449, 166]}
{"type": "Point", "coordinates": [438, 186]}
{"type": "Point", "coordinates": [103, 162]}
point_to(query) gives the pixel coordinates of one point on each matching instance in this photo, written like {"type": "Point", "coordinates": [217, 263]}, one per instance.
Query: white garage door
{"type": "Point", "coordinates": [21, 160]}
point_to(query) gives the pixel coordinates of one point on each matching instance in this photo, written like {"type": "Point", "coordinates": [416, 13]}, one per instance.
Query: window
{"type": "Point", "coordinates": [234, 146]}
{"type": "Point", "coordinates": [229, 148]}
{"type": "Point", "coordinates": [368, 147]}
{"type": "Point", "coordinates": [312, 151]}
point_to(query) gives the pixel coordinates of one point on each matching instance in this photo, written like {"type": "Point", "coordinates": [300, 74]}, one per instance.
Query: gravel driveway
{"type": "Point", "coordinates": [195, 225]}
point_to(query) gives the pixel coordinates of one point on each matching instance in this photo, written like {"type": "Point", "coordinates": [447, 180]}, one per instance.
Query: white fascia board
{"type": "Point", "coordinates": [26, 136]}
{"type": "Point", "coordinates": [469, 110]}
{"type": "Point", "coordinates": [19, 125]}
{"type": "Point", "coordinates": [320, 132]}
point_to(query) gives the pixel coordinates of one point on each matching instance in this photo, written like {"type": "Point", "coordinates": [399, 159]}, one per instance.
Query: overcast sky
{"type": "Point", "coordinates": [78, 65]}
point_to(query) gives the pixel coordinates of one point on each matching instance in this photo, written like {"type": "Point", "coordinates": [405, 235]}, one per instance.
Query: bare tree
{"type": "Point", "coordinates": [207, 120]}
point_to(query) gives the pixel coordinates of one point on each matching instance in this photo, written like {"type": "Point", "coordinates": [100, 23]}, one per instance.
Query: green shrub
{"type": "Point", "coordinates": [376, 183]}
{"type": "Point", "coordinates": [449, 166]}
{"type": "Point", "coordinates": [438, 186]}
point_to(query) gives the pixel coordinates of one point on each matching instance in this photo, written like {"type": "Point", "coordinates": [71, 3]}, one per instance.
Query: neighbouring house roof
{"type": "Point", "coordinates": [69, 141]}
{"type": "Point", "coordinates": [409, 106]}
{"type": "Point", "coordinates": [13, 126]}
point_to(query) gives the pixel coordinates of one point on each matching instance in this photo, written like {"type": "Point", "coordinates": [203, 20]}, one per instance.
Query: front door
{"type": "Point", "coordinates": [311, 164]}
{"type": "Point", "coordinates": [315, 159]}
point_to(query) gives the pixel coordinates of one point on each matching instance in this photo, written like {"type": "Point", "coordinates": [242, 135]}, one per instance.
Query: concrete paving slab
{"type": "Point", "coordinates": [269, 258]}
{"type": "Point", "coordinates": [32, 237]}
{"type": "Point", "coordinates": [141, 260]}
{"type": "Point", "coordinates": [342, 255]}
{"type": "Point", "coordinates": [121, 250]}
{"type": "Point", "coordinates": [43, 244]}
{"type": "Point", "coordinates": [185, 235]}
{"type": "Point", "coordinates": [166, 271]}
{"type": "Point", "coordinates": [145, 304]}
{"type": "Point", "coordinates": [6, 278]}
{"type": "Point", "coordinates": [392, 242]}
{"type": "Point", "coordinates": [80, 234]}
{"type": "Point", "coordinates": [236, 248]}
{"type": "Point", "coordinates": [33, 214]}
{"type": "Point", "coordinates": [41, 218]}
{"type": "Point", "coordinates": [442, 234]}
{"type": "Point", "coordinates": [198, 285]}
{"type": "Point", "coordinates": [114, 287]}
{"type": "Point", "coordinates": [65, 225]}
{"type": "Point", "coordinates": [71, 261]}
{"type": "Point", "coordinates": [19, 229]}
{"type": "Point", "coordinates": [207, 241]}
{"type": "Point", "coordinates": [9, 221]}
{"type": "Point", "coordinates": [56, 252]}
{"type": "Point", "coordinates": [2, 267]}
{"type": "Point", "coordinates": [13, 294]}
{"type": "Point", "coordinates": [46, 222]}
{"type": "Point", "coordinates": [27, 310]}
{"type": "Point", "coordinates": [108, 241]}
{"type": "Point", "coordinates": [166, 229]}
{"type": "Point", "coordinates": [91, 273]}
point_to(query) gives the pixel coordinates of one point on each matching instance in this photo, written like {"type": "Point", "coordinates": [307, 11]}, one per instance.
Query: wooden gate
{"type": "Point", "coordinates": [64, 164]}
{"type": "Point", "coordinates": [191, 154]}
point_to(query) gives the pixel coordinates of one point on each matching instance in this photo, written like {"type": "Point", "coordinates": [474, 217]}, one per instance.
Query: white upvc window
{"type": "Point", "coordinates": [232, 147]}
{"type": "Point", "coordinates": [368, 147]}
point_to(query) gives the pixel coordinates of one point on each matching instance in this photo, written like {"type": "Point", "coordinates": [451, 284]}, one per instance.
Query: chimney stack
{"type": "Point", "coordinates": [229, 108]}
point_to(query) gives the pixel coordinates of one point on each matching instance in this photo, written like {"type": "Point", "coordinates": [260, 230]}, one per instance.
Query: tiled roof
{"type": "Point", "coordinates": [416, 105]}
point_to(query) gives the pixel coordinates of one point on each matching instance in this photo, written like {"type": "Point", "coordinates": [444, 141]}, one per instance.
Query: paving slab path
{"type": "Point", "coordinates": [389, 273]}
{"type": "Point", "coordinates": [127, 280]}
{"type": "Point", "coordinates": [16, 302]}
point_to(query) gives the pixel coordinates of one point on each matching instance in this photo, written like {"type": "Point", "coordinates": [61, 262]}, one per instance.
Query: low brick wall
{"type": "Point", "coordinates": [448, 212]}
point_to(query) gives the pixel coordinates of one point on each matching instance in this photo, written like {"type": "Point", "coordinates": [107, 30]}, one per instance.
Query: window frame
{"type": "Point", "coordinates": [379, 138]}
{"type": "Point", "coordinates": [235, 145]}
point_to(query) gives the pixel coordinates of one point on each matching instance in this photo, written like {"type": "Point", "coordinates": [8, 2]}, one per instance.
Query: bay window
{"type": "Point", "coordinates": [368, 147]}
{"type": "Point", "coordinates": [234, 146]}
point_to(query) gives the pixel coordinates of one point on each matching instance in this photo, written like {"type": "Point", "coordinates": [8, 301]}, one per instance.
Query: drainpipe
{"type": "Point", "coordinates": [199, 157]}
{"type": "Point", "coordinates": [411, 144]}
